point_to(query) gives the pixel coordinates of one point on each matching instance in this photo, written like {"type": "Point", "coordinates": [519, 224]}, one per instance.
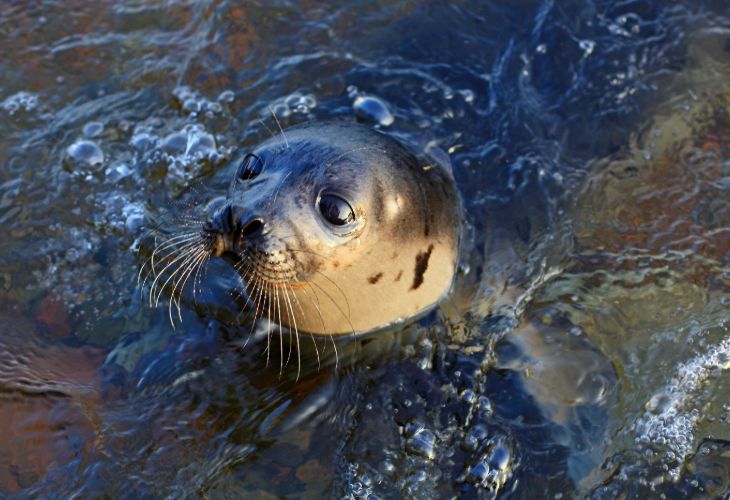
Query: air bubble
{"type": "Point", "coordinates": [227, 96]}
{"type": "Point", "coordinates": [93, 129]}
{"type": "Point", "coordinates": [373, 109]}
{"type": "Point", "coordinates": [423, 443]}
{"type": "Point", "coordinates": [24, 101]}
{"type": "Point", "coordinates": [87, 152]}
{"type": "Point", "coordinates": [468, 95]}
{"type": "Point", "coordinates": [587, 46]}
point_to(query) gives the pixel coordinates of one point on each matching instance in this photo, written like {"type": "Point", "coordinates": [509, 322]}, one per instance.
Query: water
{"type": "Point", "coordinates": [583, 352]}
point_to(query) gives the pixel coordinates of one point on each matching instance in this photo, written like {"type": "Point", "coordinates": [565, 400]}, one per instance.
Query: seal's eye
{"type": "Point", "coordinates": [335, 210]}
{"type": "Point", "coordinates": [250, 167]}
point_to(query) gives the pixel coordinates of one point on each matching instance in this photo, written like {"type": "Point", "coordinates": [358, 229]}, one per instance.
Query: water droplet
{"type": "Point", "coordinates": [373, 109]}
{"type": "Point", "coordinates": [86, 152]}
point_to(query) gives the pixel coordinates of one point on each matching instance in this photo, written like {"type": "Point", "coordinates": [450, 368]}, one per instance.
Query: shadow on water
{"type": "Point", "coordinates": [582, 351]}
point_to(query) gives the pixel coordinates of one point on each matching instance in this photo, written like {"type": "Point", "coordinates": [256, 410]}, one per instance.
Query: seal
{"type": "Point", "coordinates": [336, 228]}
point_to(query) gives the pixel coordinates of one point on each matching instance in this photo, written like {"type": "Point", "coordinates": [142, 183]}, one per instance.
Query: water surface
{"type": "Point", "coordinates": [582, 353]}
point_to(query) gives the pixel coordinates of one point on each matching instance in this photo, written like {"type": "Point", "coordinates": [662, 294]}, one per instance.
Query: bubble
{"type": "Point", "coordinates": [468, 95]}
{"type": "Point", "coordinates": [24, 101]}
{"type": "Point", "coordinates": [587, 46]}
{"type": "Point", "coordinates": [143, 140]}
{"type": "Point", "coordinates": [93, 129]}
{"type": "Point", "coordinates": [133, 216]}
{"type": "Point", "coordinates": [117, 172]}
{"type": "Point", "coordinates": [309, 101]}
{"type": "Point", "coordinates": [194, 103]}
{"type": "Point", "coordinates": [280, 110]}
{"type": "Point", "coordinates": [200, 144]}
{"type": "Point", "coordinates": [541, 49]}
{"type": "Point", "coordinates": [373, 109]}
{"type": "Point", "coordinates": [423, 443]}
{"type": "Point", "coordinates": [478, 473]}
{"type": "Point", "coordinates": [226, 96]}
{"type": "Point", "coordinates": [175, 143]}
{"type": "Point", "coordinates": [499, 459]}
{"type": "Point", "coordinates": [87, 152]}
{"type": "Point", "coordinates": [468, 396]}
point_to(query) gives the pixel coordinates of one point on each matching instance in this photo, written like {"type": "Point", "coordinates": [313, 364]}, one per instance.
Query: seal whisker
{"type": "Point", "coordinates": [201, 256]}
{"type": "Point", "coordinates": [296, 333]}
{"type": "Point", "coordinates": [195, 257]}
{"type": "Point", "coordinates": [281, 333]}
{"type": "Point", "coordinates": [197, 280]}
{"type": "Point", "coordinates": [334, 302]}
{"type": "Point", "coordinates": [257, 302]}
{"type": "Point", "coordinates": [182, 256]}
{"type": "Point", "coordinates": [316, 350]}
{"type": "Point", "coordinates": [269, 304]}
{"type": "Point", "coordinates": [279, 125]}
{"type": "Point", "coordinates": [342, 292]}
{"type": "Point", "coordinates": [324, 328]}
{"type": "Point", "coordinates": [151, 259]}
{"type": "Point", "coordinates": [271, 132]}
{"type": "Point", "coordinates": [276, 193]}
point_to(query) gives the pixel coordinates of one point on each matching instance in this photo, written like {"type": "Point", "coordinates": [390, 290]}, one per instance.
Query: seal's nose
{"type": "Point", "coordinates": [230, 226]}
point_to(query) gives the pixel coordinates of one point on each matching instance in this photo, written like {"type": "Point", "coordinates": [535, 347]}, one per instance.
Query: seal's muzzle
{"type": "Point", "coordinates": [229, 227]}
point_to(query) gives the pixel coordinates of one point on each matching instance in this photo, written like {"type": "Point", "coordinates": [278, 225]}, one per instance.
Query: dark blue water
{"type": "Point", "coordinates": [583, 351]}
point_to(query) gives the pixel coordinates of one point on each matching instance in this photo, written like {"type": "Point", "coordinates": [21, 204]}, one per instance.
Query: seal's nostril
{"type": "Point", "coordinates": [252, 229]}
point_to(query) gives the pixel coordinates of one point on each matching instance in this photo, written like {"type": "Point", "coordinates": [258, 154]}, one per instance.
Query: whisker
{"type": "Point", "coordinates": [180, 273]}
{"type": "Point", "coordinates": [281, 183]}
{"type": "Point", "coordinates": [273, 135]}
{"type": "Point", "coordinates": [201, 257]}
{"type": "Point", "coordinates": [324, 328]}
{"type": "Point", "coordinates": [296, 333]}
{"type": "Point", "coordinates": [279, 125]}
{"type": "Point", "coordinates": [183, 256]}
{"type": "Point", "coordinates": [342, 292]}
{"type": "Point", "coordinates": [151, 259]}
{"type": "Point", "coordinates": [346, 317]}
{"type": "Point", "coordinates": [316, 350]}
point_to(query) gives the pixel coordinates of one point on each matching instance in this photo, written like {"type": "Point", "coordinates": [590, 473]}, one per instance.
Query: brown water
{"type": "Point", "coordinates": [583, 351]}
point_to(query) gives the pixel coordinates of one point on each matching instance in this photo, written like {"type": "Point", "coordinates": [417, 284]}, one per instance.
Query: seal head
{"type": "Point", "coordinates": [336, 228]}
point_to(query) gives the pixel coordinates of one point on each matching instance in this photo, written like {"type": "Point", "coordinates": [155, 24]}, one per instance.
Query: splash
{"type": "Point", "coordinates": [670, 419]}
